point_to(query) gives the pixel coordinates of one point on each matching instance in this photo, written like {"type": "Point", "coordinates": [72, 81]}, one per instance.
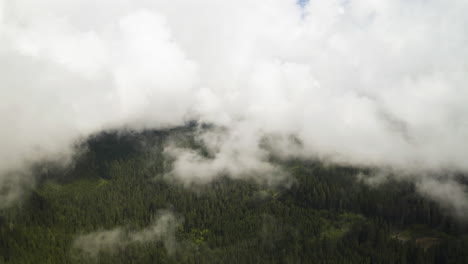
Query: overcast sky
{"type": "Point", "coordinates": [363, 82]}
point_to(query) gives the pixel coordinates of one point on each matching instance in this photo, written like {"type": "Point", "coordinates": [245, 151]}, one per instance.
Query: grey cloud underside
{"type": "Point", "coordinates": [366, 83]}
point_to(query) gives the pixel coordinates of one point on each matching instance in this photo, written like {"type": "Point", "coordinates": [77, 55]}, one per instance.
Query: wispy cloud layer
{"type": "Point", "coordinates": [163, 229]}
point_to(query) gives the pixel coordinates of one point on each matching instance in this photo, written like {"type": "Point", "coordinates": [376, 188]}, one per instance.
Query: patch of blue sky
{"type": "Point", "coordinates": [302, 3]}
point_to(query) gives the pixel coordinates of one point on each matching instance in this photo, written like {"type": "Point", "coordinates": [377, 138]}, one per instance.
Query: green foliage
{"type": "Point", "coordinates": [198, 236]}
{"type": "Point", "coordinates": [327, 216]}
{"type": "Point", "coordinates": [335, 230]}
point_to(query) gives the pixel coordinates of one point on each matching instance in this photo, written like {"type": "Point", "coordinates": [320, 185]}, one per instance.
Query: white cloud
{"type": "Point", "coordinates": [162, 229]}
{"type": "Point", "coordinates": [362, 82]}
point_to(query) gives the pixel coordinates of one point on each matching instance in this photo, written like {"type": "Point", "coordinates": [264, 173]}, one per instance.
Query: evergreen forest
{"type": "Point", "coordinates": [115, 204]}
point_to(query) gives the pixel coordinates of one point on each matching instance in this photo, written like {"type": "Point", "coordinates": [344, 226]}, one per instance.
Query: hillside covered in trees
{"type": "Point", "coordinates": [115, 204]}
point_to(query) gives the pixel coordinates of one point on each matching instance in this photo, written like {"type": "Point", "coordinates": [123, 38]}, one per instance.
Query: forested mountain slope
{"type": "Point", "coordinates": [115, 205]}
